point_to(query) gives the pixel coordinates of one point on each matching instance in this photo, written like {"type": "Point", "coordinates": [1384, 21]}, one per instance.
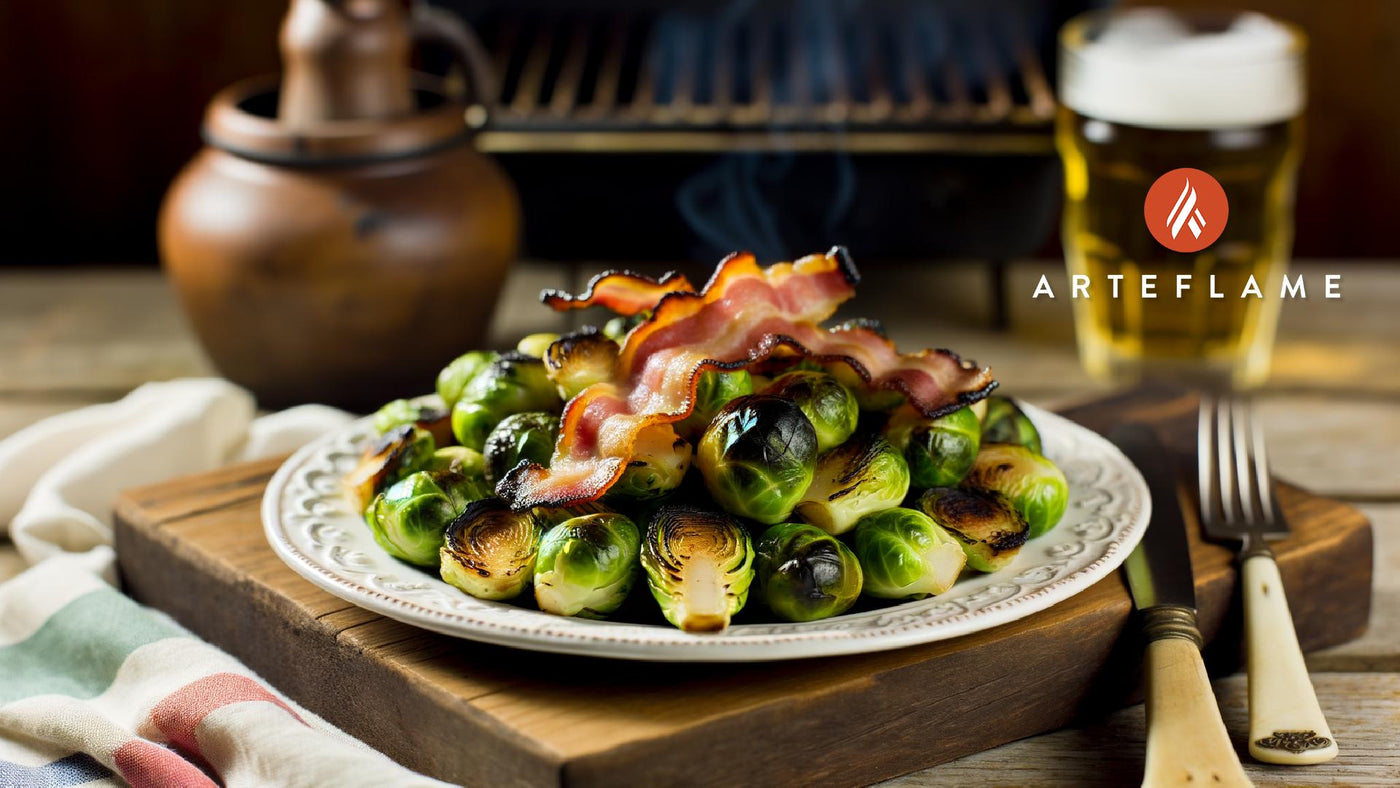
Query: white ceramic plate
{"type": "Point", "coordinates": [311, 526]}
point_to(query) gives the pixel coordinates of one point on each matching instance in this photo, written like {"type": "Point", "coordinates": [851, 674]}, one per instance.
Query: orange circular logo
{"type": "Point", "coordinates": [1186, 210]}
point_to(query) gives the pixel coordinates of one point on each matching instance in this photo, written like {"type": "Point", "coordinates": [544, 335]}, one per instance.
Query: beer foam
{"type": "Point", "coordinates": [1147, 67]}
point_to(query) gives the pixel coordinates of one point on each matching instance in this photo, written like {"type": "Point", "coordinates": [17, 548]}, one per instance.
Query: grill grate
{"type": "Point", "coordinates": [808, 75]}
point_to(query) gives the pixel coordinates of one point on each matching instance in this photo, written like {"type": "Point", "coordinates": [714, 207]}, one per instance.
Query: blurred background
{"type": "Point", "coordinates": [624, 99]}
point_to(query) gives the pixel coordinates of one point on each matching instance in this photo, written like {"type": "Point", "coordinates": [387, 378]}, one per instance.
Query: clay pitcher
{"type": "Point", "coordinates": [343, 246]}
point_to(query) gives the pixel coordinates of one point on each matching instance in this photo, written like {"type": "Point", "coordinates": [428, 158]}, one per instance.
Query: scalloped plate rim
{"type": "Point", "coordinates": [848, 634]}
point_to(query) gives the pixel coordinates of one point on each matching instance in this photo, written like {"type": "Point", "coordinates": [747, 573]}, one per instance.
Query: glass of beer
{"type": "Point", "coordinates": [1145, 92]}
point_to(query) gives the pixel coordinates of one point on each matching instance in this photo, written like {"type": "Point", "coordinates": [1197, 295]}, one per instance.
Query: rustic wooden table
{"type": "Point", "coordinates": [70, 338]}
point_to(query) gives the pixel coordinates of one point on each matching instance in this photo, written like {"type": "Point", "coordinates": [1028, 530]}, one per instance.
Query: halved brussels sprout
{"type": "Point", "coordinates": [757, 457]}
{"type": "Point", "coordinates": [458, 459]}
{"type": "Point", "coordinates": [990, 530]}
{"type": "Point", "coordinates": [830, 406]}
{"type": "Point", "coordinates": [804, 574]}
{"type": "Point", "coordinates": [659, 461]}
{"type": "Point", "coordinates": [863, 475]}
{"type": "Point", "coordinates": [578, 360]}
{"type": "Point", "coordinates": [423, 415]}
{"type": "Point", "coordinates": [520, 437]}
{"type": "Point", "coordinates": [587, 565]}
{"type": "Point", "coordinates": [454, 377]}
{"type": "Point", "coordinates": [390, 457]}
{"type": "Point", "coordinates": [489, 551]}
{"type": "Point", "coordinates": [699, 566]}
{"type": "Point", "coordinates": [1034, 485]}
{"type": "Point", "coordinates": [713, 390]}
{"type": "Point", "coordinates": [939, 451]}
{"type": "Point", "coordinates": [1006, 423]}
{"type": "Point", "coordinates": [536, 345]}
{"type": "Point", "coordinates": [513, 383]}
{"type": "Point", "coordinates": [408, 518]}
{"type": "Point", "coordinates": [906, 555]}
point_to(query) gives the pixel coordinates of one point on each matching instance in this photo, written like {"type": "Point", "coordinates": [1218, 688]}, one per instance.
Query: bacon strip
{"type": "Point", "coordinates": [624, 292]}
{"type": "Point", "coordinates": [743, 315]}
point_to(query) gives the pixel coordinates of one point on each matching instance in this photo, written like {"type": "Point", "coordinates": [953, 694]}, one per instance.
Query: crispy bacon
{"type": "Point", "coordinates": [742, 316]}
{"type": "Point", "coordinates": [624, 292]}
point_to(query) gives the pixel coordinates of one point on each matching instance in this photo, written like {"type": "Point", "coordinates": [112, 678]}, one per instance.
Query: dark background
{"type": "Point", "coordinates": [102, 102]}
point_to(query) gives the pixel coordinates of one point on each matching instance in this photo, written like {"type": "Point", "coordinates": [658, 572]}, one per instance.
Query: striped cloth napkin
{"type": "Point", "coordinates": [98, 690]}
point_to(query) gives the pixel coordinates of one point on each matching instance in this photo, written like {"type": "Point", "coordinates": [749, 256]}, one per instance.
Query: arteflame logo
{"type": "Point", "coordinates": [1186, 210]}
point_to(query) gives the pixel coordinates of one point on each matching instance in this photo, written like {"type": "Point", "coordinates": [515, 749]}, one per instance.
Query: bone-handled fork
{"type": "Point", "coordinates": [1238, 503]}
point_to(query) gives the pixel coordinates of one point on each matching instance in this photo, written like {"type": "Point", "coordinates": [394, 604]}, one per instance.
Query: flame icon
{"type": "Point", "coordinates": [1187, 213]}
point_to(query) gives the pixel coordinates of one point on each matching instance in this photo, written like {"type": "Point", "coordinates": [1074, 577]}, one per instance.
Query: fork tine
{"type": "Point", "coordinates": [1263, 477]}
{"type": "Point", "coordinates": [1205, 460]}
{"type": "Point", "coordinates": [1225, 462]}
{"type": "Point", "coordinates": [1239, 434]}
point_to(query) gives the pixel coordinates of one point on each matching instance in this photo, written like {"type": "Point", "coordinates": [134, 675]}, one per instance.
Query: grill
{"type": "Point", "coordinates": [806, 76]}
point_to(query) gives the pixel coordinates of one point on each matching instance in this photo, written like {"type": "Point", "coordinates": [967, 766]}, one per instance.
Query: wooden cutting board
{"type": "Point", "coordinates": [479, 714]}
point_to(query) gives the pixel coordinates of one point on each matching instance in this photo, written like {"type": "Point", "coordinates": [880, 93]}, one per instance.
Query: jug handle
{"type": "Point", "coordinates": [440, 26]}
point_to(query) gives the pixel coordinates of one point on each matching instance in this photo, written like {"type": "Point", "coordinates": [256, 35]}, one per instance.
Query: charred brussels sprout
{"type": "Point", "coordinates": [699, 566]}
{"type": "Point", "coordinates": [906, 555]}
{"type": "Point", "coordinates": [990, 530]}
{"type": "Point", "coordinates": [939, 451]}
{"type": "Point", "coordinates": [757, 457]}
{"type": "Point", "coordinates": [863, 475]}
{"type": "Point", "coordinates": [578, 360]}
{"type": "Point", "coordinates": [454, 377]}
{"type": "Point", "coordinates": [408, 519]}
{"type": "Point", "coordinates": [659, 461]}
{"type": "Point", "coordinates": [830, 406]}
{"type": "Point", "coordinates": [535, 345]}
{"type": "Point", "coordinates": [804, 574]}
{"type": "Point", "coordinates": [388, 458]}
{"type": "Point", "coordinates": [520, 437]}
{"type": "Point", "coordinates": [489, 551]}
{"type": "Point", "coordinates": [1004, 422]}
{"type": "Point", "coordinates": [513, 383]}
{"type": "Point", "coordinates": [713, 390]}
{"type": "Point", "coordinates": [1033, 484]}
{"type": "Point", "coordinates": [587, 565]}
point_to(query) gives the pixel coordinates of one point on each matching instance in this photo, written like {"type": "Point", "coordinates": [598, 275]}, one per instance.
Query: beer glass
{"type": "Point", "coordinates": [1147, 91]}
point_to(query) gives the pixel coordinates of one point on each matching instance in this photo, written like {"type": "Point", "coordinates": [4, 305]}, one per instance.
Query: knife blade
{"type": "Point", "coordinates": [1187, 744]}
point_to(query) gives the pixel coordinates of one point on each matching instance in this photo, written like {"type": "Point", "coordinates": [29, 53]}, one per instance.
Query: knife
{"type": "Point", "coordinates": [1187, 744]}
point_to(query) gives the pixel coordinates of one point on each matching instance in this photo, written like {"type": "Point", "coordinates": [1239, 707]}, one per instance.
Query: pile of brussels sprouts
{"type": "Point", "coordinates": [808, 488]}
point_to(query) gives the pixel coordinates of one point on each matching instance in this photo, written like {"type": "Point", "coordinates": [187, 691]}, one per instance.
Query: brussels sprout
{"type": "Point", "coordinates": [454, 377]}
{"type": "Point", "coordinates": [1033, 484]}
{"type": "Point", "coordinates": [939, 451]}
{"type": "Point", "coordinates": [423, 415]}
{"type": "Point", "coordinates": [550, 516]}
{"type": "Point", "coordinates": [990, 530]}
{"type": "Point", "coordinates": [699, 566]}
{"type": "Point", "coordinates": [489, 551]}
{"type": "Point", "coordinates": [513, 383]}
{"type": "Point", "coordinates": [578, 360]}
{"type": "Point", "coordinates": [830, 406]}
{"type": "Point", "coordinates": [1004, 422]}
{"type": "Point", "coordinates": [868, 397]}
{"type": "Point", "coordinates": [618, 327]}
{"type": "Point", "coordinates": [458, 459]}
{"type": "Point", "coordinates": [408, 518]}
{"type": "Point", "coordinates": [659, 461]}
{"type": "Point", "coordinates": [863, 475]}
{"type": "Point", "coordinates": [520, 437]}
{"type": "Point", "coordinates": [757, 457]}
{"type": "Point", "coordinates": [535, 345]}
{"type": "Point", "coordinates": [713, 390]}
{"type": "Point", "coordinates": [906, 555]}
{"type": "Point", "coordinates": [587, 565]}
{"type": "Point", "coordinates": [804, 574]}
{"type": "Point", "coordinates": [388, 458]}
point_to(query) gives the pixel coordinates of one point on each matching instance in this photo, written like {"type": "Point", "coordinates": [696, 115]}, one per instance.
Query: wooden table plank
{"type": "Point", "coordinates": [1361, 708]}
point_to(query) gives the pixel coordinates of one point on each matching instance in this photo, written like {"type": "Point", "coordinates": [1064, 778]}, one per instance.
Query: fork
{"type": "Point", "coordinates": [1238, 503]}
